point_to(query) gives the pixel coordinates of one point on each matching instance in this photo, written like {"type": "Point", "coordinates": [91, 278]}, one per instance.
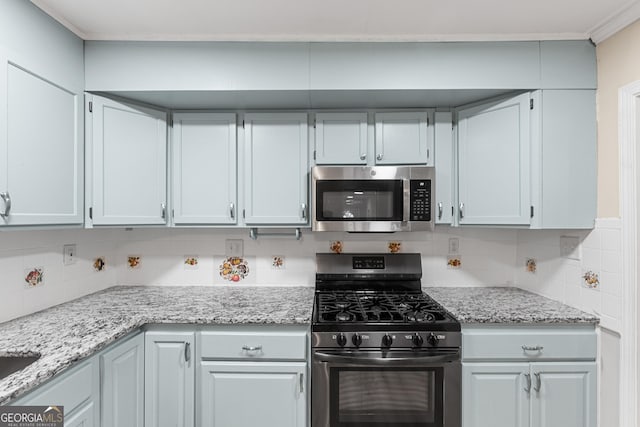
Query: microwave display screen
{"type": "Point", "coordinates": [379, 200]}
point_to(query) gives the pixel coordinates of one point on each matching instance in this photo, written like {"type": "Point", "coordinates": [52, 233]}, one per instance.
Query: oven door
{"type": "Point", "coordinates": [383, 389]}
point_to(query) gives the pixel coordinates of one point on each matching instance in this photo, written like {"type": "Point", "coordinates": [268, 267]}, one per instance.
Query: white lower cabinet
{"type": "Point", "coordinates": [246, 394]}
{"type": "Point", "coordinates": [77, 390]}
{"type": "Point", "coordinates": [169, 379]}
{"type": "Point", "coordinates": [252, 376]}
{"type": "Point", "coordinates": [122, 386]}
{"type": "Point", "coordinates": [535, 377]}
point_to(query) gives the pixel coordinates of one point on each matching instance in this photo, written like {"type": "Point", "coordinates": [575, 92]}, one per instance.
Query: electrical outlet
{"type": "Point", "coordinates": [454, 245]}
{"type": "Point", "coordinates": [69, 254]}
{"type": "Point", "coordinates": [234, 248]}
{"type": "Point", "coordinates": [570, 247]}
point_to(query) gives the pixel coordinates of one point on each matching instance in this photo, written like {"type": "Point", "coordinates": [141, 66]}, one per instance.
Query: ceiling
{"type": "Point", "coordinates": [342, 20]}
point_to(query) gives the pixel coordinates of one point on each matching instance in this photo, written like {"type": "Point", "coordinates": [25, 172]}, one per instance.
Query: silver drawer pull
{"type": "Point", "coordinates": [528, 387]}
{"type": "Point", "coordinates": [249, 348]}
{"type": "Point", "coordinates": [7, 204]}
{"type": "Point", "coordinates": [530, 348]}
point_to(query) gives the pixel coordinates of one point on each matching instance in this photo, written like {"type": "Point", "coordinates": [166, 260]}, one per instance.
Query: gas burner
{"type": "Point", "coordinates": [421, 316]}
{"type": "Point", "coordinates": [344, 316]}
{"type": "Point", "coordinates": [342, 305]}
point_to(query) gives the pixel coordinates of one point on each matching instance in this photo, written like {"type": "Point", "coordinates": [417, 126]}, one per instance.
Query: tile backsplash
{"type": "Point", "coordinates": [451, 257]}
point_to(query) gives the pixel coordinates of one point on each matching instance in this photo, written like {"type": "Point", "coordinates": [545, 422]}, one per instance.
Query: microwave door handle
{"type": "Point", "coordinates": [406, 200]}
{"type": "Point", "coordinates": [388, 361]}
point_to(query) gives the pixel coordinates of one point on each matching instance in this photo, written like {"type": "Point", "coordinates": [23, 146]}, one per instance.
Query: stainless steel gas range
{"type": "Point", "coordinates": [383, 353]}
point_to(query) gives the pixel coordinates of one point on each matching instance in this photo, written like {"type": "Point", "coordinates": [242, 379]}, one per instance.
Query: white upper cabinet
{"type": "Point", "coordinates": [127, 149]}
{"type": "Point", "coordinates": [40, 149]}
{"type": "Point", "coordinates": [204, 168]}
{"type": "Point", "coordinates": [276, 168]}
{"type": "Point", "coordinates": [341, 138]}
{"type": "Point", "coordinates": [41, 119]}
{"type": "Point", "coordinates": [493, 162]}
{"type": "Point", "coordinates": [403, 138]}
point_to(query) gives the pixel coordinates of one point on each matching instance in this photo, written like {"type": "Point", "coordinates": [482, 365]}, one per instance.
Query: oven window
{"type": "Point", "coordinates": [359, 200]}
{"type": "Point", "coordinates": [381, 397]}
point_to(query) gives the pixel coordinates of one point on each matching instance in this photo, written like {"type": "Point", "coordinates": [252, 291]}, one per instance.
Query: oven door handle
{"type": "Point", "coordinates": [410, 359]}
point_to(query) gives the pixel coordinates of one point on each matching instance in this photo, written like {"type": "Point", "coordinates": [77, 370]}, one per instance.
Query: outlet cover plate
{"type": "Point", "coordinates": [69, 254]}
{"type": "Point", "coordinates": [234, 248]}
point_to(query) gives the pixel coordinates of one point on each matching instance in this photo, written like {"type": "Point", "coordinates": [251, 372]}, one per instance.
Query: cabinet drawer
{"type": "Point", "coordinates": [272, 345]}
{"type": "Point", "coordinates": [529, 343]}
{"type": "Point", "coordinates": [70, 390]}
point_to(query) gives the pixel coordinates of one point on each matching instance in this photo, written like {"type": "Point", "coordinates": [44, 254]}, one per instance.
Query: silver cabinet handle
{"type": "Point", "coordinates": [379, 156]}
{"type": "Point", "coordinates": [7, 204]}
{"type": "Point", "coordinates": [538, 382]}
{"type": "Point", "coordinates": [440, 210]}
{"type": "Point", "coordinates": [303, 210]}
{"type": "Point", "coordinates": [528, 386]}
{"type": "Point", "coordinates": [531, 348]}
{"type": "Point", "coordinates": [461, 210]}
{"type": "Point", "coordinates": [363, 156]}
{"type": "Point", "coordinates": [187, 351]}
{"type": "Point", "coordinates": [164, 210]}
{"type": "Point", "coordinates": [250, 348]}
{"type": "Point", "coordinates": [232, 211]}
{"type": "Point", "coordinates": [301, 375]}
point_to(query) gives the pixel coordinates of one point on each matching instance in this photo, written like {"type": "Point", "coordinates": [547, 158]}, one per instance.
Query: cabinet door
{"type": "Point", "coordinates": [169, 379]}
{"type": "Point", "coordinates": [444, 167]}
{"type": "Point", "coordinates": [204, 168]}
{"type": "Point", "coordinates": [41, 149]}
{"type": "Point", "coordinates": [567, 394]}
{"type": "Point", "coordinates": [129, 171]}
{"type": "Point", "coordinates": [244, 394]}
{"type": "Point", "coordinates": [123, 384]}
{"type": "Point", "coordinates": [84, 417]}
{"type": "Point", "coordinates": [493, 162]}
{"type": "Point", "coordinates": [341, 138]}
{"type": "Point", "coordinates": [403, 138]}
{"type": "Point", "coordinates": [494, 395]}
{"type": "Point", "coordinates": [276, 168]}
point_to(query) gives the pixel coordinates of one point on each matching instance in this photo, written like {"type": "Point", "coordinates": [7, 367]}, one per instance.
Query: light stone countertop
{"type": "Point", "coordinates": [505, 305]}
{"type": "Point", "coordinates": [75, 330]}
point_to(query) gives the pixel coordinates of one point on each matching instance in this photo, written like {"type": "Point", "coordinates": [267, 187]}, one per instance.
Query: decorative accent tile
{"type": "Point", "coordinates": [133, 261]}
{"type": "Point", "coordinates": [454, 261]}
{"type": "Point", "coordinates": [191, 262]}
{"type": "Point", "coordinates": [234, 269]}
{"type": "Point", "coordinates": [277, 262]}
{"type": "Point", "coordinates": [34, 276]}
{"type": "Point", "coordinates": [591, 279]}
{"type": "Point", "coordinates": [99, 264]}
{"type": "Point", "coordinates": [532, 265]}
{"type": "Point", "coordinates": [394, 247]}
{"type": "Point", "coordinates": [336, 247]}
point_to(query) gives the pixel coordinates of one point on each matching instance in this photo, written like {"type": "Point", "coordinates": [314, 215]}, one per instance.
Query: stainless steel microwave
{"type": "Point", "coordinates": [373, 198]}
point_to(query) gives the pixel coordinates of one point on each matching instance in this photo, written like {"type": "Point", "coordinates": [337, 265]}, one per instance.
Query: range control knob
{"type": "Point", "coordinates": [387, 340]}
{"type": "Point", "coordinates": [417, 340]}
{"type": "Point", "coordinates": [356, 339]}
{"type": "Point", "coordinates": [341, 339]}
{"type": "Point", "coordinates": [432, 339]}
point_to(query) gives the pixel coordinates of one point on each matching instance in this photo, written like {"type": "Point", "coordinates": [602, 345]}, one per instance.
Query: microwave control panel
{"type": "Point", "coordinates": [420, 200]}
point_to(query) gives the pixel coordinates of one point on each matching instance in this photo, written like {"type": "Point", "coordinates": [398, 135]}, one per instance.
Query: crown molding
{"type": "Point", "coordinates": [61, 19]}
{"type": "Point", "coordinates": [624, 17]}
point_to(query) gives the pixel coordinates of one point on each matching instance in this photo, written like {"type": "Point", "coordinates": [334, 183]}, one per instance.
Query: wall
{"type": "Point", "coordinates": [618, 60]}
{"type": "Point", "coordinates": [24, 251]}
